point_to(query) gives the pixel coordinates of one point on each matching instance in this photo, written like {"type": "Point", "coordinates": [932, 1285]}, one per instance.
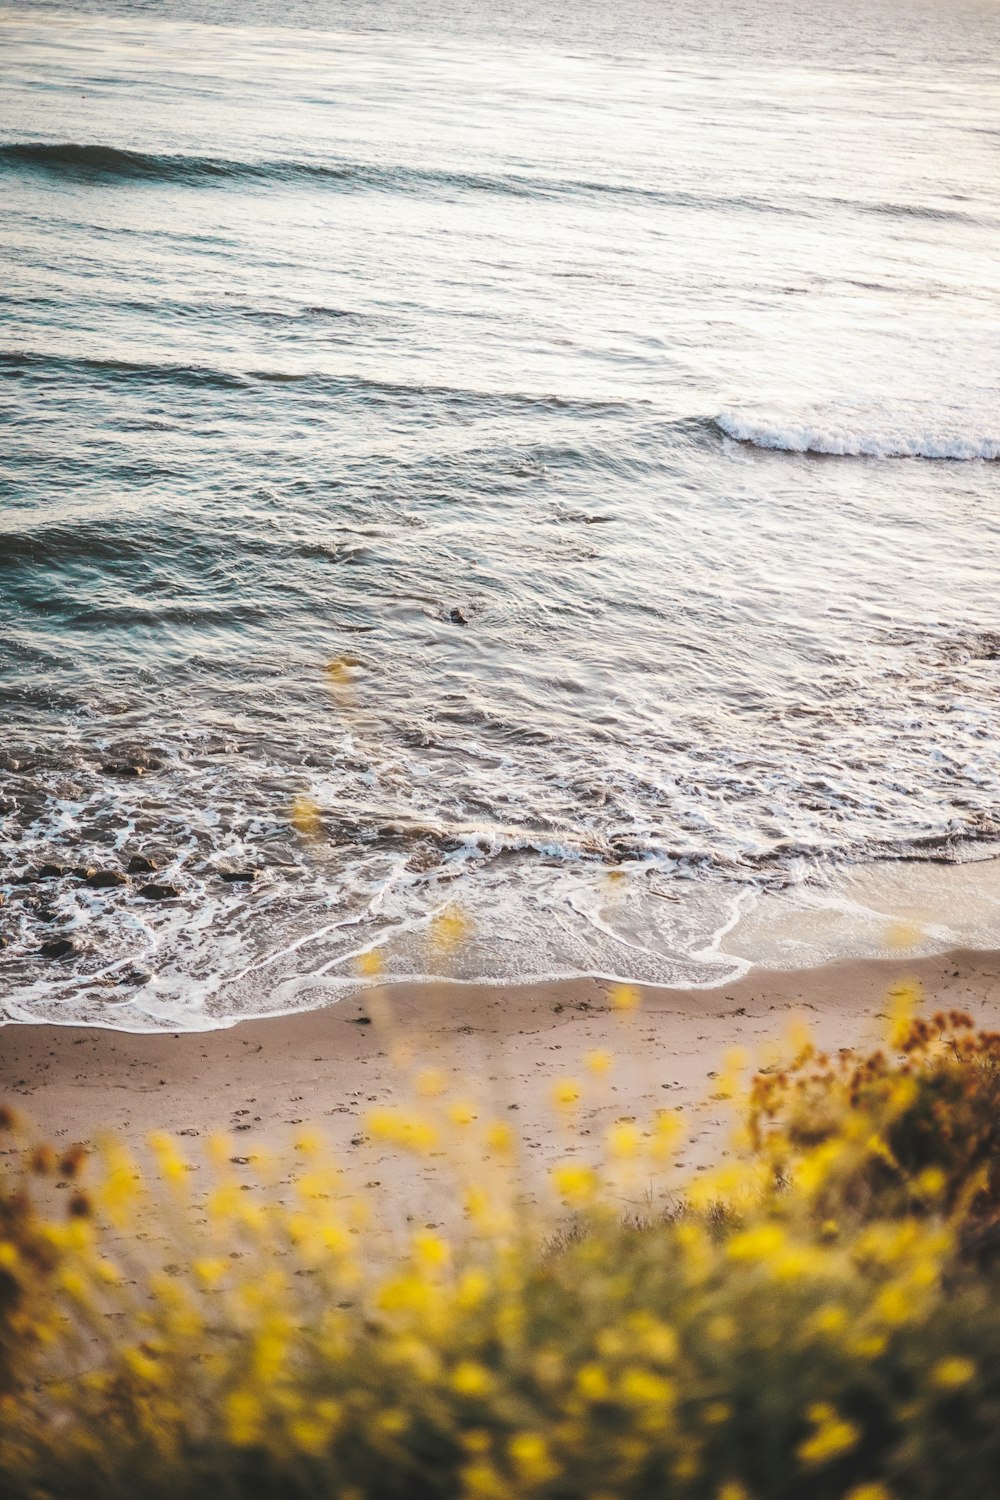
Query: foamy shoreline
{"type": "Point", "coordinates": [266, 1080]}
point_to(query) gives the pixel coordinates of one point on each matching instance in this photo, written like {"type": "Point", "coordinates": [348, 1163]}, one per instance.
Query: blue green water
{"type": "Point", "coordinates": [611, 395]}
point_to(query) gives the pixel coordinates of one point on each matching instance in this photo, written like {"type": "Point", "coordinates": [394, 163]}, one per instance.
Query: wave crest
{"type": "Point", "coordinates": [906, 432]}
{"type": "Point", "coordinates": [101, 162]}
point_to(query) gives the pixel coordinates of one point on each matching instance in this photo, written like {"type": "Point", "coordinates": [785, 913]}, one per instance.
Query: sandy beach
{"type": "Point", "coordinates": [264, 1081]}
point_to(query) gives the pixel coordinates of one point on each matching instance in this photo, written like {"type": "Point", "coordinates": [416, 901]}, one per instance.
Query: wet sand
{"type": "Point", "coordinates": [264, 1081]}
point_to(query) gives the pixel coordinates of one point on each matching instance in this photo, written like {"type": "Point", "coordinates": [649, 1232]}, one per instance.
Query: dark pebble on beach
{"type": "Point", "coordinates": [154, 892]}
{"type": "Point", "coordinates": [234, 875]}
{"type": "Point", "coordinates": [137, 977]}
{"type": "Point", "coordinates": [102, 880]}
{"type": "Point", "coordinates": [59, 948]}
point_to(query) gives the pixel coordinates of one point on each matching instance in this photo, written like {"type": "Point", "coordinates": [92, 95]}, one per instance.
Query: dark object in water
{"type": "Point", "coordinates": [41, 872]}
{"type": "Point", "coordinates": [154, 892]}
{"type": "Point", "coordinates": [457, 617]}
{"type": "Point", "coordinates": [130, 767]}
{"type": "Point", "coordinates": [234, 875]}
{"type": "Point", "coordinates": [63, 947]}
{"type": "Point", "coordinates": [141, 864]}
{"type": "Point", "coordinates": [103, 880]}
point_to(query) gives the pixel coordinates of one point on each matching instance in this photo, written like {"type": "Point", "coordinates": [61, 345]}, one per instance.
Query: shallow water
{"type": "Point", "coordinates": [614, 405]}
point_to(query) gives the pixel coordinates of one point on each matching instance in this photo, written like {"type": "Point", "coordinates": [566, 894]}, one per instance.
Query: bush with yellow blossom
{"type": "Point", "coordinates": [806, 1323]}
{"type": "Point", "coordinates": [932, 1098]}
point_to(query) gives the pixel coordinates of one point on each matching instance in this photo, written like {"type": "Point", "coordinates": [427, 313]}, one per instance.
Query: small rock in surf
{"type": "Point", "coordinates": [154, 892]}
{"type": "Point", "coordinates": [60, 948]}
{"type": "Point", "coordinates": [141, 864]}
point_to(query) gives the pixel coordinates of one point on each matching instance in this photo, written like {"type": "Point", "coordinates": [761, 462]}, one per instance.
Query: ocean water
{"type": "Point", "coordinates": [535, 461]}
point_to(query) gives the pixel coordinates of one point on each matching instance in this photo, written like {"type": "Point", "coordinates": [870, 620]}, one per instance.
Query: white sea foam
{"type": "Point", "coordinates": [913, 430]}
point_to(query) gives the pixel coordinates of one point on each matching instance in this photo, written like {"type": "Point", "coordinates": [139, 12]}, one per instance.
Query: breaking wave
{"type": "Point", "coordinates": [913, 432]}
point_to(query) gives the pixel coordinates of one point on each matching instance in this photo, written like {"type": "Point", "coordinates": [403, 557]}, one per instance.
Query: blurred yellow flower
{"type": "Point", "coordinates": [950, 1374]}
{"type": "Point", "coordinates": [592, 1382]}
{"type": "Point", "coordinates": [430, 1250]}
{"type": "Point", "coordinates": [598, 1062]}
{"type": "Point", "coordinates": [624, 1140]}
{"type": "Point", "coordinates": [904, 1001]}
{"type": "Point", "coordinates": [500, 1138]}
{"type": "Point", "coordinates": [471, 1379]}
{"type": "Point", "coordinates": [244, 1418]}
{"type": "Point", "coordinates": [531, 1457]}
{"type": "Point", "coordinates": [449, 929]}
{"type": "Point", "coordinates": [431, 1083]}
{"type": "Point", "coordinates": [305, 816]}
{"type": "Point", "coordinates": [833, 1436]}
{"type": "Point", "coordinates": [339, 676]}
{"type": "Point", "coordinates": [577, 1184]}
{"type": "Point", "coordinates": [623, 997]}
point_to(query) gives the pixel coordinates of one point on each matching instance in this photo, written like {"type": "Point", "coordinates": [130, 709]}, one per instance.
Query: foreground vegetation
{"type": "Point", "coordinates": [815, 1320]}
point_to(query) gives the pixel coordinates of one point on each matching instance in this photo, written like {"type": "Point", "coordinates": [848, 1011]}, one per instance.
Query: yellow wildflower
{"type": "Point", "coordinates": [757, 1244]}
{"type": "Point", "coordinates": [448, 929]}
{"type": "Point", "coordinates": [430, 1250]}
{"type": "Point", "coordinates": [598, 1062]}
{"type": "Point", "coordinates": [577, 1185]}
{"type": "Point", "coordinates": [833, 1436]}
{"type": "Point", "coordinates": [470, 1378]}
{"type": "Point", "coordinates": [949, 1374]}
{"type": "Point", "coordinates": [623, 997]}
{"type": "Point", "coordinates": [431, 1083]}
{"type": "Point", "coordinates": [904, 1001]}
{"type": "Point", "coordinates": [482, 1480]}
{"type": "Point", "coordinates": [339, 676]}
{"type": "Point", "coordinates": [244, 1418]}
{"type": "Point", "coordinates": [592, 1382]}
{"type": "Point", "coordinates": [641, 1387]}
{"type": "Point", "coordinates": [531, 1457]}
{"type": "Point", "coordinates": [500, 1138]}
{"type": "Point", "coordinates": [305, 817]}
{"type": "Point", "coordinates": [624, 1140]}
